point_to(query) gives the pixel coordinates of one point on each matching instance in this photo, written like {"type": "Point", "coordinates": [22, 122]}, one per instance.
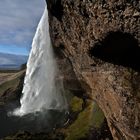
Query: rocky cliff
{"type": "Point", "coordinates": [101, 39]}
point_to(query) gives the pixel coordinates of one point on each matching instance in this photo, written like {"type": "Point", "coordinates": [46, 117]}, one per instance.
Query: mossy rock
{"type": "Point", "coordinates": [90, 117]}
{"type": "Point", "coordinates": [76, 104]}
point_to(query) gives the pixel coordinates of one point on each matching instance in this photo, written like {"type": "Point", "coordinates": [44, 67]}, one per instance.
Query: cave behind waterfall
{"type": "Point", "coordinates": [118, 48]}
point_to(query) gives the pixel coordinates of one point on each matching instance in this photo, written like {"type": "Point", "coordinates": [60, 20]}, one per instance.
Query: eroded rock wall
{"type": "Point", "coordinates": [101, 39]}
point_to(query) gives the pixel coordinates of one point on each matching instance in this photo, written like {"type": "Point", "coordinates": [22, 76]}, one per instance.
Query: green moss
{"type": "Point", "coordinates": [91, 116]}
{"type": "Point", "coordinates": [76, 104]}
{"type": "Point", "coordinates": [98, 116]}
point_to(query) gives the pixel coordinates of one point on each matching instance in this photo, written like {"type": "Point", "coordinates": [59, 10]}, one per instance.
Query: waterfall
{"type": "Point", "coordinates": [41, 91]}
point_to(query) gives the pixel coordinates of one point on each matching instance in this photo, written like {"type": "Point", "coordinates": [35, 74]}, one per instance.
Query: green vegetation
{"type": "Point", "coordinates": [97, 116]}
{"type": "Point", "coordinates": [90, 117]}
{"type": "Point", "coordinates": [84, 116]}
{"type": "Point", "coordinates": [76, 104]}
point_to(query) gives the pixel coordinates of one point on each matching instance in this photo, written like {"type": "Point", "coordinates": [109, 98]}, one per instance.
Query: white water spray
{"type": "Point", "coordinates": [41, 92]}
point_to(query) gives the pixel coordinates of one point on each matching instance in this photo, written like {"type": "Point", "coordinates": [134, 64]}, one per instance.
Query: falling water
{"type": "Point", "coordinates": [41, 92]}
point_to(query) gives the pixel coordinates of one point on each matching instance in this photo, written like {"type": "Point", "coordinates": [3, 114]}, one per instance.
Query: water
{"type": "Point", "coordinates": [33, 123]}
{"type": "Point", "coordinates": [43, 105]}
{"type": "Point", "coordinates": [41, 91]}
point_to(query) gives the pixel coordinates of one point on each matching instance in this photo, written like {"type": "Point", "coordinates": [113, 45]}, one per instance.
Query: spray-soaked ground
{"type": "Point", "coordinates": [38, 122]}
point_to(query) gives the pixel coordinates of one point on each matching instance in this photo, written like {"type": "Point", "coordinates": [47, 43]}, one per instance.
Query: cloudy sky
{"type": "Point", "coordinates": [18, 22]}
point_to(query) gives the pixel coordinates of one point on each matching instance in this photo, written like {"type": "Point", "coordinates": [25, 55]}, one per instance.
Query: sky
{"type": "Point", "coordinates": [18, 23]}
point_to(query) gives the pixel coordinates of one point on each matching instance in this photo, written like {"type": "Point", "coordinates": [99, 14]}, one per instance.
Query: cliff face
{"type": "Point", "coordinates": [101, 39]}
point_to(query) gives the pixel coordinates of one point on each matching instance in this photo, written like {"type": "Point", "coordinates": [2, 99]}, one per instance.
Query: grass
{"type": "Point", "coordinates": [98, 116]}
{"type": "Point", "coordinates": [90, 117]}
{"type": "Point", "coordinates": [76, 104]}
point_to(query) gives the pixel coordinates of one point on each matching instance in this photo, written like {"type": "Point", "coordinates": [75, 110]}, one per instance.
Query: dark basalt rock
{"type": "Point", "coordinates": [56, 9]}
{"type": "Point", "coordinates": [118, 48]}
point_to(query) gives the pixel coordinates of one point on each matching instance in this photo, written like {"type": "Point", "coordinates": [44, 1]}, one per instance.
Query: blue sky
{"type": "Point", "coordinates": [18, 22]}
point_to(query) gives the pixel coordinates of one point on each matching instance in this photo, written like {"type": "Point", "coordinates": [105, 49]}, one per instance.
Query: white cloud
{"type": "Point", "coordinates": [18, 20]}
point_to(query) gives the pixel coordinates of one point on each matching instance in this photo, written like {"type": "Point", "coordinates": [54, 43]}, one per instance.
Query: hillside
{"type": "Point", "coordinates": [11, 83]}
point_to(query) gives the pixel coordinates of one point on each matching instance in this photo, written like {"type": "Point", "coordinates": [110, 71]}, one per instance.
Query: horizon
{"type": "Point", "coordinates": [14, 54]}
